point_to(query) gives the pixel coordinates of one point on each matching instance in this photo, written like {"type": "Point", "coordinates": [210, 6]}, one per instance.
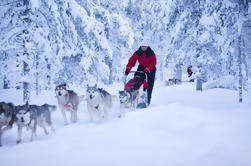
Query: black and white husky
{"type": "Point", "coordinates": [30, 116]}
{"type": "Point", "coordinates": [99, 101]}
{"type": "Point", "coordinates": [68, 100]}
{"type": "Point", "coordinates": [26, 116]}
{"type": "Point", "coordinates": [130, 99]}
{"type": "Point", "coordinates": [44, 116]}
{"type": "Point", "coordinates": [7, 117]}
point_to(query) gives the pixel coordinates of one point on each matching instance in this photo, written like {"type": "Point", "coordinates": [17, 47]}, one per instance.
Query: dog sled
{"type": "Point", "coordinates": [174, 81]}
{"type": "Point", "coordinates": [139, 79]}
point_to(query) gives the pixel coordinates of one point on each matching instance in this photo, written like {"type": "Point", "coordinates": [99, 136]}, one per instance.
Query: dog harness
{"type": "Point", "coordinates": [67, 105]}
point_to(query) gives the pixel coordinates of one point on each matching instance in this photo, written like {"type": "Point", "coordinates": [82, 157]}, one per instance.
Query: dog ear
{"type": "Point", "coordinates": [11, 106]}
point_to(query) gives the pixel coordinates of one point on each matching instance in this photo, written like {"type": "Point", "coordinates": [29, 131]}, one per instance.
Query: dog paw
{"type": "Point", "coordinates": [18, 141]}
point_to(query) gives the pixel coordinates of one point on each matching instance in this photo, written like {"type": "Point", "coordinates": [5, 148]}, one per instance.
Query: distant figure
{"type": "Point", "coordinates": [190, 73]}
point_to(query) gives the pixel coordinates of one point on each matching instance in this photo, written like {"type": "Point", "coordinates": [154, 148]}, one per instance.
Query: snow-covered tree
{"type": "Point", "coordinates": [83, 41]}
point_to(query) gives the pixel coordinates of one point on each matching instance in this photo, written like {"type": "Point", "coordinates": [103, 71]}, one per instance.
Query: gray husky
{"type": "Point", "coordinates": [26, 116]}
{"type": "Point", "coordinates": [67, 101]}
{"type": "Point", "coordinates": [44, 115]}
{"type": "Point", "coordinates": [30, 116]}
{"type": "Point", "coordinates": [7, 117]}
{"type": "Point", "coordinates": [98, 100]}
{"type": "Point", "coordinates": [129, 99]}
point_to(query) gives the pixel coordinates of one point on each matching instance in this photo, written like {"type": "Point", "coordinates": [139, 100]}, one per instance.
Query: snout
{"type": "Point", "coordinates": [59, 93]}
{"type": "Point", "coordinates": [22, 119]}
{"type": "Point", "coordinates": [91, 96]}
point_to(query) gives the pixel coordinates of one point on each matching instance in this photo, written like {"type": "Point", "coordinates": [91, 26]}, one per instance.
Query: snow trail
{"type": "Point", "coordinates": [181, 127]}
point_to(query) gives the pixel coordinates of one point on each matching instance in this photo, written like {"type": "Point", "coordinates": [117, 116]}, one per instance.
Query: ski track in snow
{"type": "Point", "coordinates": [181, 127]}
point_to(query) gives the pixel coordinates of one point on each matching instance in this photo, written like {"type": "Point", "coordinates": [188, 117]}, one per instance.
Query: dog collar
{"type": "Point", "coordinates": [66, 105]}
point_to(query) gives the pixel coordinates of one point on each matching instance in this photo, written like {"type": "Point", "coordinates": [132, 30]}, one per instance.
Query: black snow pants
{"type": "Point", "coordinates": [150, 81]}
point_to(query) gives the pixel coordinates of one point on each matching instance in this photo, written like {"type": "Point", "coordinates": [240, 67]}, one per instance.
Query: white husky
{"type": "Point", "coordinates": [68, 100]}
{"type": "Point", "coordinates": [99, 101]}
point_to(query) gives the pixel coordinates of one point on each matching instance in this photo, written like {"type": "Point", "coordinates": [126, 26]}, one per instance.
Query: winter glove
{"type": "Point", "coordinates": [126, 73]}
{"type": "Point", "coordinates": [146, 70]}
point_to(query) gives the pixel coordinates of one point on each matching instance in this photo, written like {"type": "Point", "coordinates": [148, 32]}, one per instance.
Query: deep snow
{"type": "Point", "coordinates": [182, 127]}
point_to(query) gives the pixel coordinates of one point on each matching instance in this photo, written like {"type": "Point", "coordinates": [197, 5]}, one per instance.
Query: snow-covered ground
{"type": "Point", "coordinates": [182, 127]}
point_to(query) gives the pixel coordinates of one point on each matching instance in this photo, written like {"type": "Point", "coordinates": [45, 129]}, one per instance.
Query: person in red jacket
{"type": "Point", "coordinates": [190, 73]}
{"type": "Point", "coordinates": [147, 63]}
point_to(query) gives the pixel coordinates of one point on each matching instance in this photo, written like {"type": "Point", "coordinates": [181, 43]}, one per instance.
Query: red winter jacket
{"type": "Point", "coordinates": [189, 70]}
{"type": "Point", "coordinates": [146, 59]}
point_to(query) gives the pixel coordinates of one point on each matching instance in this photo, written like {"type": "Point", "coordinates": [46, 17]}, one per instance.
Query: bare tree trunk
{"type": "Point", "coordinates": [201, 77]}
{"type": "Point", "coordinates": [5, 83]}
{"type": "Point", "coordinates": [240, 70]}
{"type": "Point", "coordinates": [178, 72]}
{"type": "Point", "coordinates": [37, 75]}
{"type": "Point", "coordinates": [199, 84]}
{"type": "Point", "coordinates": [111, 72]}
{"type": "Point", "coordinates": [240, 23]}
{"type": "Point", "coordinates": [161, 71]}
{"type": "Point", "coordinates": [26, 88]}
{"type": "Point", "coordinates": [26, 92]}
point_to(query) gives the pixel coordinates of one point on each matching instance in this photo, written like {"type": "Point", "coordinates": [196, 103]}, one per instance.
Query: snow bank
{"type": "Point", "coordinates": [227, 82]}
{"type": "Point", "coordinates": [182, 127]}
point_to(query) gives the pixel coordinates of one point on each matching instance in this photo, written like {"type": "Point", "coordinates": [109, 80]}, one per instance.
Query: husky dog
{"type": "Point", "coordinates": [172, 81]}
{"type": "Point", "coordinates": [26, 116]}
{"type": "Point", "coordinates": [98, 100]}
{"type": "Point", "coordinates": [7, 117]}
{"type": "Point", "coordinates": [30, 116]}
{"type": "Point", "coordinates": [130, 98]}
{"type": "Point", "coordinates": [44, 115]}
{"type": "Point", "coordinates": [67, 100]}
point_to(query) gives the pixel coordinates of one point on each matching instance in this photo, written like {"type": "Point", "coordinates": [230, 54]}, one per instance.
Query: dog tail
{"type": "Point", "coordinates": [51, 108]}
{"type": "Point", "coordinates": [82, 98]}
